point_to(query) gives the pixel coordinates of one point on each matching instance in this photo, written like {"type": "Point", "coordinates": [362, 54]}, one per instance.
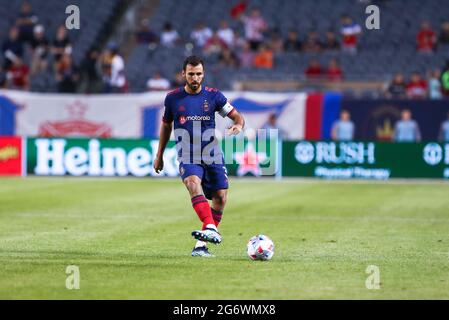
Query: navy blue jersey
{"type": "Point", "coordinates": [194, 122]}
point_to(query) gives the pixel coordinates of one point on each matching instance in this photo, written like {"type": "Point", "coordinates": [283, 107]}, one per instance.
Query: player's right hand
{"type": "Point", "coordinates": [158, 164]}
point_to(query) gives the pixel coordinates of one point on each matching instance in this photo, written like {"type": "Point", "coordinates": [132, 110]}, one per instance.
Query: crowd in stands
{"type": "Point", "coordinates": [436, 86]}
{"type": "Point", "coordinates": [27, 37]}
{"type": "Point", "coordinates": [259, 44]}
{"type": "Point", "coordinates": [28, 50]}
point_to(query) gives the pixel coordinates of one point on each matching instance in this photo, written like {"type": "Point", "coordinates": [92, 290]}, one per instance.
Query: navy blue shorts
{"type": "Point", "coordinates": [213, 176]}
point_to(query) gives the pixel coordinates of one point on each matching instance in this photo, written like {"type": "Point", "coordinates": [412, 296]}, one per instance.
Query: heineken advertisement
{"type": "Point", "coordinates": [117, 157]}
{"type": "Point", "coordinates": [365, 160]}
{"type": "Point", "coordinates": [337, 160]}
{"type": "Point", "coordinates": [96, 157]}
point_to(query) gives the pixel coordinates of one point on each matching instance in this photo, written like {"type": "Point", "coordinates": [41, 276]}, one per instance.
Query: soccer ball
{"type": "Point", "coordinates": [260, 247]}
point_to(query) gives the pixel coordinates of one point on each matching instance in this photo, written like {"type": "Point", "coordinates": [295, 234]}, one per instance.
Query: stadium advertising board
{"type": "Point", "coordinates": [97, 157]}
{"type": "Point", "coordinates": [10, 156]}
{"type": "Point", "coordinates": [123, 157]}
{"type": "Point", "coordinates": [324, 159]}
{"type": "Point", "coordinates": [365, 160]}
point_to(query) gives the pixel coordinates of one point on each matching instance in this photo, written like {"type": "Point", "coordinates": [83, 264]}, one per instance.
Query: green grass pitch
{"type": "Point", "coordinates": [131, 239]}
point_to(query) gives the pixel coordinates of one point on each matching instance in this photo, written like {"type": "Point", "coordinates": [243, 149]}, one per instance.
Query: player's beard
{"type": "Point", "coordinates": [193, 85]}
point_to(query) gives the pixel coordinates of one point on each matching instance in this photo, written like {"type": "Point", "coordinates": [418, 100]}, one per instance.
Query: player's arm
{"type": "Point", "coordinates": [164, 136]}
{"type": "Point", "coordinates": [225, 109]}
{"type": "Point", "coordinates": [239, 122]}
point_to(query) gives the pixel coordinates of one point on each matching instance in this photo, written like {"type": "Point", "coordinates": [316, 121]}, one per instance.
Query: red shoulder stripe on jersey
{"type": "Point", "coordinates": [174, 91]}
{"type": "Point", "coordinates": [209, 89]}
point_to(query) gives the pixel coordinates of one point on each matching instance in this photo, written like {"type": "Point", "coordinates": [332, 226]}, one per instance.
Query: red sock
{"type": "Point", "coordinates": [202, 209]}
{"type": "Point", "coordinates": [216, 215]}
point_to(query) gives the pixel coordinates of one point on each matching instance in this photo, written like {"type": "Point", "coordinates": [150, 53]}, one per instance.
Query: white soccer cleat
{"type": "Point", "coordinates": [208, 234]}
{"type": "Point", "coordinates": [201, 252]}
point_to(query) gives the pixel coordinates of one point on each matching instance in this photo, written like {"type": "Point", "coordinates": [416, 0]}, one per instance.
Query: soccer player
{"type": "Point", "coordinates": [201, 164]}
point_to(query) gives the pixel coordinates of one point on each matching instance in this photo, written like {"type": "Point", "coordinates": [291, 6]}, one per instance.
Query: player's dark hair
{"type": "Point", "coordinates": [192, 60]}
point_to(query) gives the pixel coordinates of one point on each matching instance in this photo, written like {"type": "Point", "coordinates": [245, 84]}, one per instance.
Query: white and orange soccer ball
{"type": "Point", "coordinates": [260, 247]}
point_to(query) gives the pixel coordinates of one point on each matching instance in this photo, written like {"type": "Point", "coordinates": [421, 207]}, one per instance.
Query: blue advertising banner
{"type": "Point", "coordinates": [375, 119]}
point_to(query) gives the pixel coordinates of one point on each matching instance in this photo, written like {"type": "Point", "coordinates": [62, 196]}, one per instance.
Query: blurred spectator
{"type": "Point", "coordinates": [61, 44]}
{"type": "Point", "coordinates": [255, 26]}
{"type": "Point", "coordinates": [407, 129]}
{"type": "Point", "coordinates": [435, 85]}
{"type": "Point", "coordinates": [12, 48]}
{"type": "Point", "coordinates": [334, 72]}
{"type": "Point", "coordinates": [90, 69]}
{"type": "Point", "coordinates": [228, 58]}
{"type": "Point", "coordinates": [272, 125]}
{"type": "Point", "coordinates": [350, 32]}
{"type": "Point", "coordinates": [105, 67]}
{"type": "Point", "coordinates": [417, 87]}
{"type": "Point", "coordinates": [117, 81]}
{"type": "Point", "coordinates": [238, 9]}
{"type": "Point", "coordinates": [200, 34]}
{"type": "Point", "coordinates": [444, 130]}
{"type": "Point", "coordinates": [144, 34]}
{"type": "Point", "coordinates": [443, 38]}
{"type": "Point", "coordinates": [275, 41]}
{"type": "Point", "coordinates": [67, 75]}
{"type": "Point", "coordinates": [158, 83]}
{"type": "Point", "coordinates": [445, 80]}
{"type": "Point", "coordinates": [18, 75]}
{"type": "Point", "coordinates": [3, 78]}
{"type": "Point", "coordinates": [314, 70]}
{"type": "Point", "coordinates": [331, 43]}
{"type": "Point", "coordinates": [343, 129]}
{"type": "Point", "coordinates": [178, 80]}
{"type": "Point", "coordinates": [312, 43]}
{"type": "Point", "coordinates": [292, 43]}
{"type": "Point", "coordinates": [226, 33]}
{"type": "Point", "coordinates": [40, 48]}
{"type": "Point", "coordinates": [246, 56]}
{"type": "Point", "coordinates": [264, 57]}
{"type": "Point", "coordinates": [425, 39]}
{"type": "Point", "coordinates": [169, 36]}
{"type": "Point", "coordinates": [239, 41]}
{"type": "Point", "coordinates": [214, 45]}
{"type": "Point", "coordinates": [26, 22]}
{"type": "Point", "coordinates": [397, 87]}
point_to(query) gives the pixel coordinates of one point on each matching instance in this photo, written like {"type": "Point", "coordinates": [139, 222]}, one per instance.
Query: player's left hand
{"type": "Point", "coordinates": [235, 129]}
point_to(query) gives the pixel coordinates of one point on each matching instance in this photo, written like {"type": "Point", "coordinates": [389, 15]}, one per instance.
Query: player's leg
{"type": "Point", "coordinates": [219, 198]}
{"type": "Point", "coordinates": [215, 187]}
{"type": "Point", "coordinates": [191, 175]}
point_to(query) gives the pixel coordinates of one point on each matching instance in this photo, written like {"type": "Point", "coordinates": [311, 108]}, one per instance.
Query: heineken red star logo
{"type": "Point", "coordinates": [76, 125]}
{"type": "Point", "coordinates": [249, 161]}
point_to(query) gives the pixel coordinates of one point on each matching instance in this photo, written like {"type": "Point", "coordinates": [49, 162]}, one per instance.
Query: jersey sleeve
{"type": "Point", "coordinates": [168, 115]}
{"type": "Point", "coordinates": [222, 106]}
